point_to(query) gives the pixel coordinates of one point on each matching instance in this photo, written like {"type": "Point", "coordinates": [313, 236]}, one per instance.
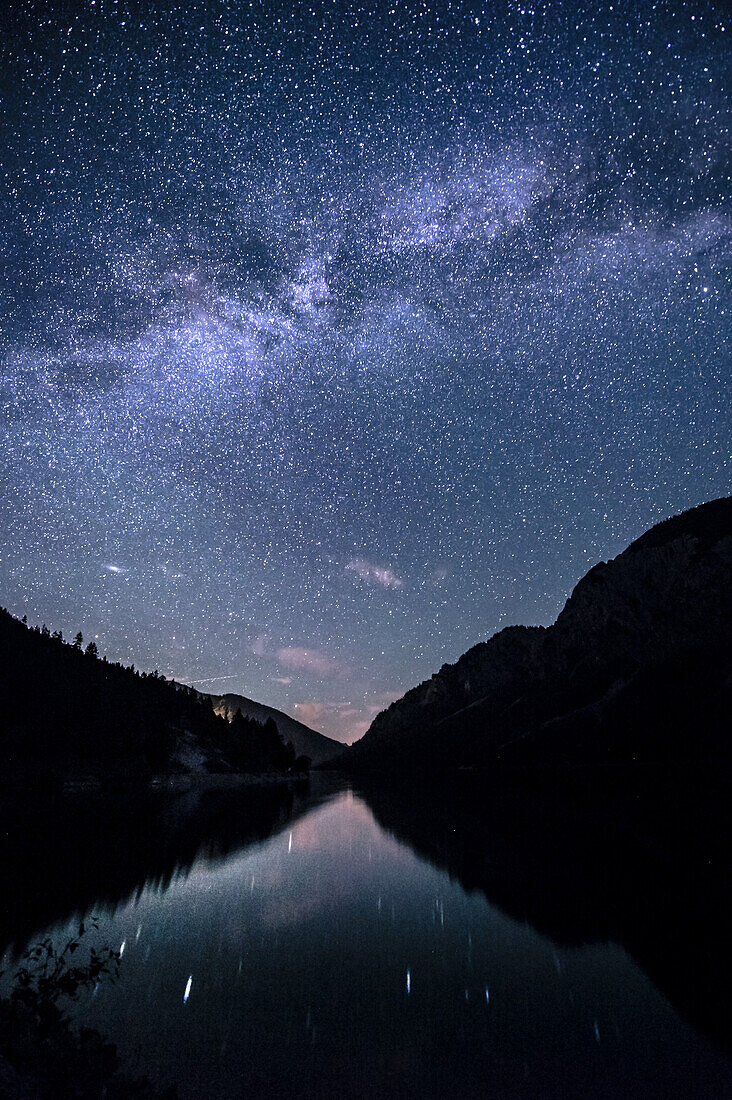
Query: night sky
{"type": "Point", "coordinates": [337, 336]}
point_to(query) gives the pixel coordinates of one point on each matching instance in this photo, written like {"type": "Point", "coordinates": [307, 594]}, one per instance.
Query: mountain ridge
{"type": "Point", "coordinates": [305, 740]}
{"type": "Point", "coordinates": [663, 600]}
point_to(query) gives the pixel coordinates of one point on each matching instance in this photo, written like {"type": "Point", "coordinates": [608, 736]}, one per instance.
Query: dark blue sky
{"type": "Point", "coordinates": [336, 337]}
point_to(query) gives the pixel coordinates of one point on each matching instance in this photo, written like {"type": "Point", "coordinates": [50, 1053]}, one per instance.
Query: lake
{"type": "Point", "coordinates": [295, 945]}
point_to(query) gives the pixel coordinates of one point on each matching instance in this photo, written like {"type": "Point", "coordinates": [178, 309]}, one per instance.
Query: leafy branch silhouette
{"type": "Point", "coordinates": [47, 974]}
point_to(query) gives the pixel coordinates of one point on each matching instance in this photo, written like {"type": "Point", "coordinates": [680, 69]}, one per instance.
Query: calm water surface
{"type": "Point", "coordinates": [331, 960]}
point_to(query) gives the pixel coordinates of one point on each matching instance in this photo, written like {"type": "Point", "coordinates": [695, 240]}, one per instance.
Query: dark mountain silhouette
{"type": "Point", "coordinates": [637, 667]}
{"type": "Point", "coordinates": [304, 740]}
{"type": "Point", "coordinates": [66, 713]}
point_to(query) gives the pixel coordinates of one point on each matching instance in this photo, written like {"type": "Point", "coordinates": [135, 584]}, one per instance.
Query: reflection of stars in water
{"type": "Point", "coordinates": [380, 331]}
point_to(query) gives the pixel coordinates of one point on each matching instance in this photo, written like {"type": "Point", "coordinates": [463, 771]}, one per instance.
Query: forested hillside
{"type": "Point", "coordinates": [66, 711]}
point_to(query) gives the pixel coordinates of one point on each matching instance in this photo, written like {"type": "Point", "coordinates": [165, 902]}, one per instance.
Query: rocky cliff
{"type": "Point", "coordinates": [642, 636]}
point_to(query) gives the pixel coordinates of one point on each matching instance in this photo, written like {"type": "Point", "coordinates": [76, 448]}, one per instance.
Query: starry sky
{"type": "Point", "coordinates": [335, 337]}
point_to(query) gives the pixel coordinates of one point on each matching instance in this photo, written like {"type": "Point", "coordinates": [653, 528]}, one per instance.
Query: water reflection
{"type": "Point", "coordinates": [316, 953]}
{"type": "Point", "coordinates": [632, 861]}
{"type": "Point", "coordinates": [65, 855]}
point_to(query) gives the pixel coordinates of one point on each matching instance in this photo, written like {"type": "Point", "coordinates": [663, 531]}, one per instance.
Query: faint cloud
{"type": "Point", "coordinates": [281, 679]}
{"type": "Point", "coordinates": [310, 712]}
{"type": "Point", "coordinates": [340, 720]}
{"type": "Point", "coordinates": [309, 660]}
{"type": "Point", "coordinates": [345, 720]}
{"type": "Point", "coordinates": [374, 574]}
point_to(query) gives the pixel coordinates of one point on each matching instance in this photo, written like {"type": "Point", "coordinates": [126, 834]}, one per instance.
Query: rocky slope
{"type": "Point", "coordinates": [304, 740]}
{"type": "Point", "coordinates": [641, 647]}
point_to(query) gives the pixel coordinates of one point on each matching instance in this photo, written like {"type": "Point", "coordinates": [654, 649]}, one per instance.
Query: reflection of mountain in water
{"type": "Point", "coordinates": [606, 855]}
{"type": "Point", "coordinates": [593, 855]}
{"type": "Point", "coordinates": [68, 855]}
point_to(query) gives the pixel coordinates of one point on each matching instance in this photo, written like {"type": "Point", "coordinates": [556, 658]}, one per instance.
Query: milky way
{"type": "Point", "coordinates": [336, 337]}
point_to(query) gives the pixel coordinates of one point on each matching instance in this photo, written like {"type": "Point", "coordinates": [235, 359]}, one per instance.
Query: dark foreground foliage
{"type": "Point", "coordinates": [41, 1054]}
